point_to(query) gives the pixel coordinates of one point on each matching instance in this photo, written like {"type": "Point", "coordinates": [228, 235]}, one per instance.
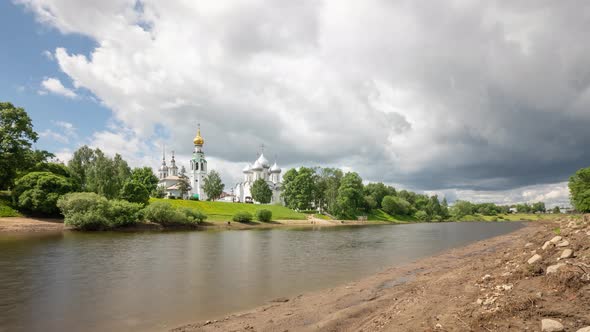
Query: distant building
{"type": "Point", "coordinates": [261, 169]}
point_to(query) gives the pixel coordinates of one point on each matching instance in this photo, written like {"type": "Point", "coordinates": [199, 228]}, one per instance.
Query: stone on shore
{"type": "Point", "coordinates": [546, 245]}
{"type": "Point", "coordinates": [584, 329]}
{"type": "Point", "coordinates": [550, 325]}
{"type": "Point", "coordinates": [535, 259]}
{"type": "Point", "coordinates": [567, 253]}
{"type": "Point", "coordinates": [554, 268]}
{"type": "Point", "coordinates": [555, 239]}
{"type": "Point", "coordinates": [563, 243]}
{"type": "Point", "coordinates": [529, 244]}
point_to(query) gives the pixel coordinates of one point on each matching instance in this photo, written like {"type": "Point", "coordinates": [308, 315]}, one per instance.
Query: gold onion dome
{"type": "Point", "coordinates": [198, 139]}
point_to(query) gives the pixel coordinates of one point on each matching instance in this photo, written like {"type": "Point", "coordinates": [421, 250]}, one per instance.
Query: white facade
{"type": "Point", "coordinates": [261, 169]}
{"type": "Point", "coordinates": [198, 169]}
{"type": "Point", "coordinates": [169, 178]}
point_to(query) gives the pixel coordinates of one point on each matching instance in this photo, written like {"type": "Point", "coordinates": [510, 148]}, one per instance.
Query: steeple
{"type": "Point", "coordinates": [198, 140]}
{"type": "Point", "coordinates": [163, 171]}
{"type": "Point", "coordinates": [173, 169]}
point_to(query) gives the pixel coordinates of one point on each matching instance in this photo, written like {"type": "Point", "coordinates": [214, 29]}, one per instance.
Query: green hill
{"type": "Point", "coordinates": [223, 211]}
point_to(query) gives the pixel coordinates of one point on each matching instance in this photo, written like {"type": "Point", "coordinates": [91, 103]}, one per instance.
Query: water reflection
{"type": "Point", "coordinates": [154, 281]}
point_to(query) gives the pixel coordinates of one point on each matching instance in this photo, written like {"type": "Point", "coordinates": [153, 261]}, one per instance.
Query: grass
{"type": "Point", "coordinates": [6, 209]}
{"type": "Point", "coordinates": [380, 215]}
{"type": "Point", "coordinates": [223, 211]}
{"type": "Point", "coordinates": [322, 216]}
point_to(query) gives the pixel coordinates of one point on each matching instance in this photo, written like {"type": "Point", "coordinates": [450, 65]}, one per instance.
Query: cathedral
{"type": "Point", "coordinates": [261, 169]}
{"type": "Point", "coordinates": [169, 178]}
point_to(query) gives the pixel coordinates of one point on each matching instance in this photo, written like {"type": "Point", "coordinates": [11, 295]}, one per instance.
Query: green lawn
{"type": "Point", "coordinates": [223, 211]}
{"type": "Point", "coordinates": [380, 215]}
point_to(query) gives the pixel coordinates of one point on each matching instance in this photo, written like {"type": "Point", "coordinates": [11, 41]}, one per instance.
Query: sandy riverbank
{"type": "Point", "coordinates": [24, 224]}
{"type": "Point", "coordinates": [485, 286]}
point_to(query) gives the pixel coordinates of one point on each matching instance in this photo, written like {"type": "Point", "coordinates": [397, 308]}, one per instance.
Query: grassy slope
{"type": "Point", "coordinates": [380, 215]}
{"type": "Point", "coordinates": [223, 211]}
{"type": "Point", "coordinates": [5, 206]}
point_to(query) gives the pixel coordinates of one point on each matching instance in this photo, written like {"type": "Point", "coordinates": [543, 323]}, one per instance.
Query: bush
{"type": "Point", "coordinates": [86, 211]}
{"type": "Point", "coordinates": [395, 205]}
{"type": "Point", "coordinates": [38, 192]}
{"type": "Point", "coordinates": [194, 215]}
{"type": "Point", "coordinates": [134, 192]}
{"type": "Point", "coordinates": [421, 215]}
{"type": "Point", "coordinates": [164, 213]}
{"type": "Point", "coordinates": [494, 218]}
{"type": "Point", "coordinates": [123, 213]}
{"type": "Point", "coordinates": [242, 217]}
{"type": "Point", "coordinates": [90, 211]}
{"type": "Point", "coordinates": [264, 215]}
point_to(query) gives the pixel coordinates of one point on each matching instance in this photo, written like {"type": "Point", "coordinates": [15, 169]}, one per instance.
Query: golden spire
{"type": "Point", "coordinates": [198, 139]}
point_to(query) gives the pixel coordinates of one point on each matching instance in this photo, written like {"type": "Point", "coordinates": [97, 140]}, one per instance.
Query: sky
{"type": "Point", "coordinates": [477, 100]}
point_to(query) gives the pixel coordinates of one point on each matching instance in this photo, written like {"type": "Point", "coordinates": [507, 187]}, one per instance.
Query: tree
{"type": "Point", "coordinates": [38, 192]}
{"type": "Point", "coordinates": [261, 192]}
{"type": "Point", "coordinates": [556, 209]}
{"type": "Point", "coordinates": [79, 165]}
{"type": "Point", "coordinates": [134, 192]}
{"type": "Point", "coordinates": [377, 191]}
{"type": "Point", "coordinates": [579, 185]}
{"type": "Point", "coordinates": [395, 205]}
{"type": "Point", "coordinates": [539, 207]}
{"type": "Point", "coordinates": [350, 196]}
{"type": "Point", "coordinates": [145, 176]}
{"type": "Point", "coordinates": [212, 185]}
{"type": "Point", "coordinates": [461, 209]}
{"type": "Point", "coordinates": [183, 183]}
{"type": "Point", "coordinates": [444, 209]}
{"type": "Point", "coordinates": [298, 188]}
{"type": "Point", "coordinates": [433, 207]}
{"type": "Point", "coordinates": [16, 138]}
{"type": "Point", "coordinates": [332, 178]}
{"type": "Point", "coordinates": [288, 192]}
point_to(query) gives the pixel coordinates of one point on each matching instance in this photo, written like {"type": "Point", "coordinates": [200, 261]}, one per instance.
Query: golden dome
{"type": "Point", "coordinates": [198, 139]}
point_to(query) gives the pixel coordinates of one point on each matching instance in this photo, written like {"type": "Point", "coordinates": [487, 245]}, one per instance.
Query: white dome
{"type": "Point", "coordinates": [247, 169]}
{"type": "Point", "coordinates": [163, 168]}
{"type": "Point", "coordinates": [263, 161]}
{"type": "Point", "coordinates": [257, 165]}
{"type": "Point", "coordinates": [275, 168]}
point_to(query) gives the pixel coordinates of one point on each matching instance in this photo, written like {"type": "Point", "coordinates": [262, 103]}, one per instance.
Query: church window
{"type": "Point", "coordinates": [202, 166]}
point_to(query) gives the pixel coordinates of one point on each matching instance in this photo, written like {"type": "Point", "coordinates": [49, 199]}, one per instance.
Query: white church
{"type": "Point", "coordinates": [261, 169]}
{"type": "Point", "coordinates": [169, 177]}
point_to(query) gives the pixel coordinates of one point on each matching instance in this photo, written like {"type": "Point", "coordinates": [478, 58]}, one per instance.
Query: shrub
{"type": "Point", "coordinates": [123, 213]}
{"type": "Point", "coordinates": [494, 218]}
{"type": "Point", "coordinates": [86, 211]}
{"type": "Point", "coordinates": [421, 215]}
{"type": "Point", "coordinates": [163, 213]}
{"type": "Point", "coordinates": [242, 217]}
{"type": "Point", "coordinates": [134, 192]}
{"type": "Point", "coordinates": [264, 215]}
{"type": "Point", "coordinates": [194, 215]}
{"type": "Point", "coordinates": [395, 205]}
{"type": "Point", "coordinates": [90, 211]}
{"type": "Point", "coordinates": [38, 192]}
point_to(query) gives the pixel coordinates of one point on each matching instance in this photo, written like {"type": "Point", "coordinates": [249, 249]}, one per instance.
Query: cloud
{"type": "Point", "coordinates": [62, 133]}
{"type": "Point", "coordinates": [447, 96]}
{"type": "Point", "coordinates": [54, 85]}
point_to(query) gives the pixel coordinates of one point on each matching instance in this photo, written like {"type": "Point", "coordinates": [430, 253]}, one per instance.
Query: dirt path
{"type": "Point", "coordinates": [21, 224]}
{"type": "Point", "coordinates": [485, 286]}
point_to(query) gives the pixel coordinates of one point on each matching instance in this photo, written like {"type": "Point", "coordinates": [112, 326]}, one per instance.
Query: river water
{"type": "Point", "coordinates": [155, 281]}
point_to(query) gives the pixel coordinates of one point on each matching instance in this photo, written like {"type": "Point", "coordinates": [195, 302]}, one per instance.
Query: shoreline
{"type": "Point", "coordinates": [484, 286]}
{"type": "Point", "coordinates": [36, 225]}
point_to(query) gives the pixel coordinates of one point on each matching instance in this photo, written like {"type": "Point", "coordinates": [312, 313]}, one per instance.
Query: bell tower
{"type": "Point", "coordinates": [198, 169]}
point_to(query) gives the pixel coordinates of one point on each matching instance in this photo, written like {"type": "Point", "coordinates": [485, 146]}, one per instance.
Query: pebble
{"type": "Point", "coordinates": [530, 244]}
{"type": "Point", "coordinates": [584, 329]}
{"type": "Point", "coordinates": [555, 239]}
{"type": "Point", "coordinates": [550, 325]}
{"type": "Point", "coordinates": [564, 243]}
{"type": "Point", "coordinates": [535, 259]}
{"type": "Point", "coordinates": [546, 245]}
{"type": "Point", "coordinates": [567, 253]}
{"type": "Point", "coordinates": [438, 326]}
{"type": "Point", "coordinates": [486, 277]}
{"type": "Point", "coordinates": [554, 268]}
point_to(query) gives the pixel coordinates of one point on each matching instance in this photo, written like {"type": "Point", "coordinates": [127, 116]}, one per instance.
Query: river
{"type": "Point", "coordinates": [155, 281]}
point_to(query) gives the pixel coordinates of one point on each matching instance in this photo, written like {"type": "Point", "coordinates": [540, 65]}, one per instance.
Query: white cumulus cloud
{"type": "Point", "coordinates": [54, 85]}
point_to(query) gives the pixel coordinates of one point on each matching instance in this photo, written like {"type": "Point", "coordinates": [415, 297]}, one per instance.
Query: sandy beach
{"type": "Point", "coordinates": [485, 286]}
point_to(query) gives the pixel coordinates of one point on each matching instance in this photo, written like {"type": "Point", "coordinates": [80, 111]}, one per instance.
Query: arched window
{"type": "Point", "coordinates": [202, 168]}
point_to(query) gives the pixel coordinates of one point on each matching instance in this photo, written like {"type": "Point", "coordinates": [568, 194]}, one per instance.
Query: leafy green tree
{"type": "Point", "coordinates": [377, 191]}
{"type": "Point", "coordinates": [80, 164]}
{"type": "Point", "coordinates": [55, 168]}
{"type": "Point", "coordinates": [579, 185]}
{"type": "Point", "coordinates": [135, 192]}
{"type": "Point", "coordinates": [539, 207]}
{"type": "Point", "coordinates": [395, 205]}
{"type": "Point", "coordinates": [556, 210]}
{"type": "Point", "coordinates": [421, 215]}
{"type": "Point", "coordinates": [330, 179]}
{"type": "Point", "coordinates": [145, 176]}
{"type": "Point", "coordinates": [16, 138]}
{"type": "Point", "coordinates": [213, 186]}
{"type": "Point", "coordinates": [433, 207]}
{"type": "Point", "coordinates": [461, 209]}
{"type": "Point", "coordinates": [261, 192]}
{"type": "Point", "coordinates": [183, 184]}
{"type": "Point", "coordinates": [444, 209]}
{"type": "Point", "coordinates": [299, 187]}
{"type": "Point", "coordinates": [350, 196]}
{"type": "Point", "coordinates": [38, 192]}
